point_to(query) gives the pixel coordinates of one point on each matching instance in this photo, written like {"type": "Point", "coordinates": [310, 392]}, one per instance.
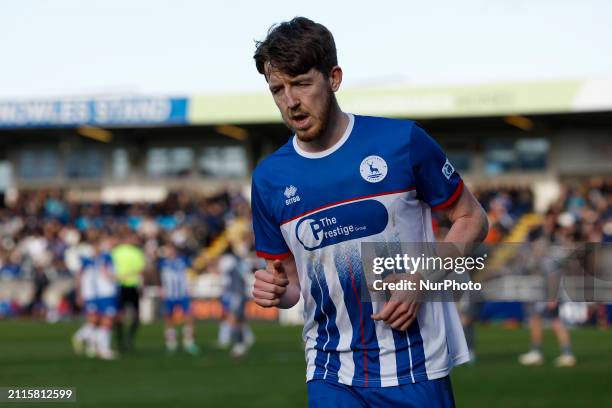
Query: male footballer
{"type": "Point", "coordinates": [340, 180]}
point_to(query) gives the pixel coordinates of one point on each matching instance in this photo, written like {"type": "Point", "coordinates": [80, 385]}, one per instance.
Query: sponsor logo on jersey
{"type": "Point", "coordinates": [373, 169]}
{"type": "Point", "coordinates": [342, 223]}
{"type": "Point", "coordinates": [448, 169]}
{"type": "Point", "coordinates": [291, 195]}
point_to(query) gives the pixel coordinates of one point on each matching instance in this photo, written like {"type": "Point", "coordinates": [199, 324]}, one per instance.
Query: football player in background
{"type": "Point", "coordinates": [177, 302]}
{"type": "Point", "coordinates": [97, 293]}
{"type": "Point", "coordinates": [234, 267]}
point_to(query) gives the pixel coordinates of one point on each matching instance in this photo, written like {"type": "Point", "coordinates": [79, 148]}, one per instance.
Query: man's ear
{"type": "Point", "coordinates": [335, 78]}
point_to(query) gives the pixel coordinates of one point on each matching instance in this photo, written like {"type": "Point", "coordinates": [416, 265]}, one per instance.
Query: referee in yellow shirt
{"type": "Point", "coordinates": [129, 262]}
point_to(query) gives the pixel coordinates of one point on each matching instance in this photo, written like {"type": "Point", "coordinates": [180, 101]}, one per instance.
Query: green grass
{"type": "Point", "coordinates": [272, 375]}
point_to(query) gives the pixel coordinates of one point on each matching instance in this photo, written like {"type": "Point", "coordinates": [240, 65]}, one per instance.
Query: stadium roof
{"type": "Point", "coordinates": [424, 102]}
{"type": "Point", "coordinates": [455, 101]}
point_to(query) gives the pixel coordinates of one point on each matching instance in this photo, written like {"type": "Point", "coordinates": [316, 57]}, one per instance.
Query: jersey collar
{"type": "Point", "coordinates": [326, 152]}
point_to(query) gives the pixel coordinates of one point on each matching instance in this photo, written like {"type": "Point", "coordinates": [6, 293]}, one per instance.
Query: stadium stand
{"type": "Point", "coordinates": [42, 232]}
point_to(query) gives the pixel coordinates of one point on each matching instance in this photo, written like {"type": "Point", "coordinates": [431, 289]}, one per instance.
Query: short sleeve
{"type": "Point", "coordinates": [108, 261]}
{"type": "Point", "coordinates": [83, 263]}
{"type": "Point", "coordinates": [437, 182]}
{"type": "Point", "coordinates": [269, 242]}
{"type": "Point", "coordinates": [187, 262]}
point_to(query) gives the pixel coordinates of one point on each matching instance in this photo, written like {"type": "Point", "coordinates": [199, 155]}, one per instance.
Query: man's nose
{"type": "Point", "coordinates": [292, 101]}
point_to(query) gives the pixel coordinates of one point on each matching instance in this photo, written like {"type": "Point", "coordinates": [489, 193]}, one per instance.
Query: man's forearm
{"type": "Point", "coordinates": [468, 229]}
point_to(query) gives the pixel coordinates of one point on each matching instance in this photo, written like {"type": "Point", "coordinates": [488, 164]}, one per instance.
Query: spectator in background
{"type": "Point", "coordinates": [9, 265]}
{"type": "Point", "coordinates": [504, 206]}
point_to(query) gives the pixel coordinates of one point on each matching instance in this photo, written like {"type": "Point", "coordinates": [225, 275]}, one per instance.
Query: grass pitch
{"type": "Point", "coordinates": [35, 354]}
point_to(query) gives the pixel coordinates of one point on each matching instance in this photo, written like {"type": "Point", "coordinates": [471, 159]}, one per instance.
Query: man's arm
{"type": "Point", "coordinates": [277, 285]}
{"type": "Point", "coordinates": [468, 219]}
{"type": "Point", "coordinates": [469, 225]}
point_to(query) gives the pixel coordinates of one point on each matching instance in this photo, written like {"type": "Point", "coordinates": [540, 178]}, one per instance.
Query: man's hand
{"type": "Point", "coordinates": [401, 309]}
{"type": "Point", "coordinates": [270, 284]}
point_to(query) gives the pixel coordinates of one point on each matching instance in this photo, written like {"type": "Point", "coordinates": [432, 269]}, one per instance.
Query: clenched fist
{"type": "Point", "coordinates": [270, 284]}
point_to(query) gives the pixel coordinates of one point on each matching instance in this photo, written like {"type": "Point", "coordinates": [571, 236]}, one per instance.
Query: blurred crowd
{"type": "Point", "coordinates": [504, 206]}
{"type": "Point", "coordinates": [43, 234]}
{"type": "Point", "coordinates": [583, 212]}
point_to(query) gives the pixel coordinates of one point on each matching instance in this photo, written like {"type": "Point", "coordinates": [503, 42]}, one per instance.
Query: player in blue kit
{"type": "Point", "coordinates": [340, 180]}
{"type": "Point", "coordinates": [175, 293]}
{"type": "Point", "coordinates": [97, 292]}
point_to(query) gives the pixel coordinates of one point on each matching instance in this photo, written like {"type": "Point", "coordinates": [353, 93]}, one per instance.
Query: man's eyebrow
{"type": "Point", "coordinates": [300, 78]}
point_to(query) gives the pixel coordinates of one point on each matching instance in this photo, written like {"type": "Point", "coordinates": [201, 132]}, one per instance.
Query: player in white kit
{"type": "Point", "coordinates": [177, 302]}
{"type": "Point", "coordinates": [97, 291]}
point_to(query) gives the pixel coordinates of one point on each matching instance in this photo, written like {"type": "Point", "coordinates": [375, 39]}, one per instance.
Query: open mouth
{"type": "Point", "coordinates": [300, 120]}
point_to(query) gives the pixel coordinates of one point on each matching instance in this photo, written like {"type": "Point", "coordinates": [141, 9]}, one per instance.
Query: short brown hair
{"type": "Point", "coordinates": [294, 47]}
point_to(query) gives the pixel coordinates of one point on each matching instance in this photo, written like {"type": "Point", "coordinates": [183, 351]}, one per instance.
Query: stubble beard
{"type": "Point", "coordinates": [319, 128]}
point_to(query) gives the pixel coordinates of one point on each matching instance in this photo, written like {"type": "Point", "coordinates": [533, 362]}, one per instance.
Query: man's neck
{"type": "Point", "coordinates": [338, 122]}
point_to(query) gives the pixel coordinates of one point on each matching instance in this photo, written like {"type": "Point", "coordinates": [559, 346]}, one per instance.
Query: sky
{"type": "Point", "coordinates": [182, 47]}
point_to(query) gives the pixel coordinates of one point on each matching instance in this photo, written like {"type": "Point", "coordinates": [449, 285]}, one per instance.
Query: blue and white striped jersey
{"type": "Point", "coordinates": [377, 184]}
{"type": "Point", "coordinates": [174, 280]}
{"type": "Point", "coordinates": [98, 277]}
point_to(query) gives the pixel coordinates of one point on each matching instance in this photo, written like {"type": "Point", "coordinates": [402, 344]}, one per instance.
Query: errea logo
{"type": "Point", "coordinates": [290, 194]}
